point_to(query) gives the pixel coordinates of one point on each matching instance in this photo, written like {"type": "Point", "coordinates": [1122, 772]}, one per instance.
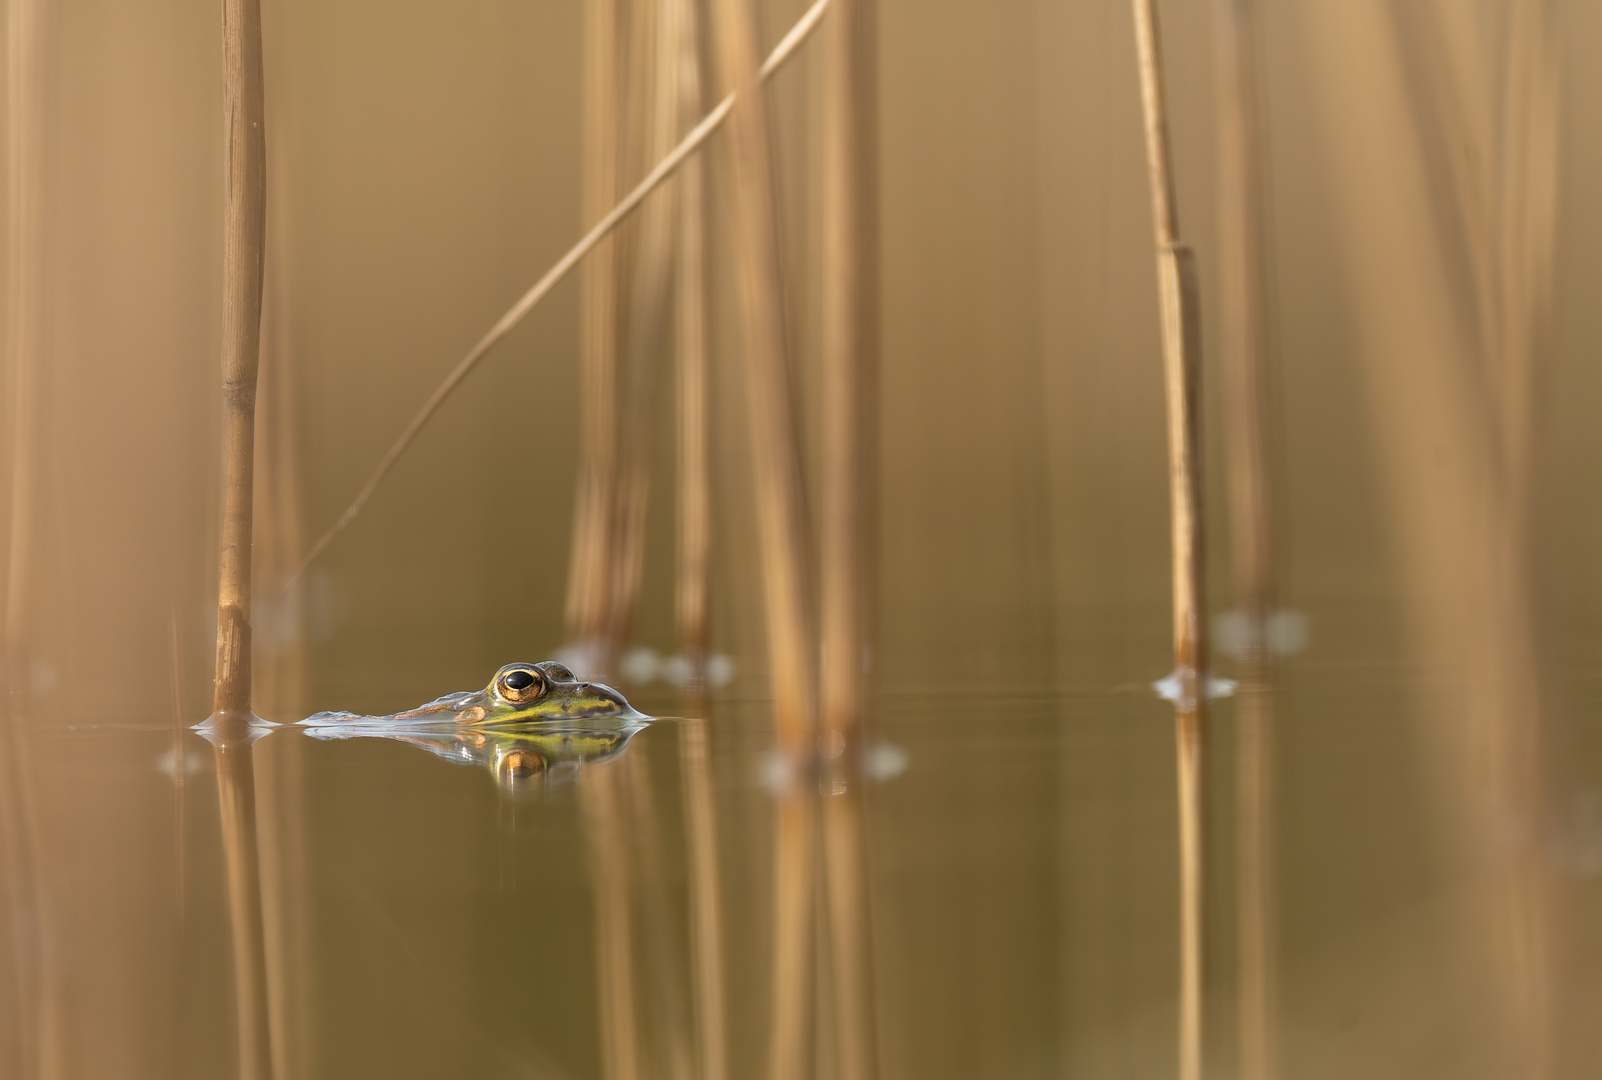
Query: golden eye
{"type": "Point", "coordinates": [520, 765]}
{"type": "Point", "coordinates": [521, 685]}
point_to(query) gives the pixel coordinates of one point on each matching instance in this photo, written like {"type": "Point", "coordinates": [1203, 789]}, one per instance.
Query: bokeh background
{"type": "Point", "coordinates": [424, 170]}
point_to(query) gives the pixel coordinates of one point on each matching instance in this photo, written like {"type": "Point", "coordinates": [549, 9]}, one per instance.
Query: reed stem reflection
{"type": "Point", "coordinates": [706, 897]}
{"type": "Point", "coordinates": [236, 800]}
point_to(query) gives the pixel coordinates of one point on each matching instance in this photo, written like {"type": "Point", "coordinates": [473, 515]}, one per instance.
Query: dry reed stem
{"type": "Point", "coordinates": [1181, 337]}
{"type": "Point", "coordinates": [849, 326]}
{"type": "Point", "coordinates": [664, 169]}
{"type": "Point", "coordinates": [599, 798]}
{"type": "Point", "coordinates": [1243, 311]}
{"type": "Point", "coordinates": [598, 329]}
{"type": "Point", "coordinates": [652, 273]}
{"type": "Point", "coordinates": [775, 434]}
{"type": "Point", "coordinates": [236, 798]}
{"type": "Point", "coordinates": [695, 462]}
{"type": "Point", "coordinates": [1491, 164]}
{"type": "Point", "coordinates": [24, 262]}
{"type": "Point", "coordinates": [38, 982]}
{"type": "Point", "coordinates": [1248, 408]}
{"type": "Point", "coordinates": [244, 225]}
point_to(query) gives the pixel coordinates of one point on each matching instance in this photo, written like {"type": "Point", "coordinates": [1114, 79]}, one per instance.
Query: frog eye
{"type": "Point", "coordinates": [521, 685]}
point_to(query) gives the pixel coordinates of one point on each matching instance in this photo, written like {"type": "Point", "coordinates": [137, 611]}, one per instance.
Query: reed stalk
{"type": "Point", "coordinates": [244, 226]}
{"type": "Point", "coordinates": [695, 462]}
{"type": "Point", "coordinates": [1248, 402]}
{"type": "Point", "coordinates": [37, 980]}
{"type": "Point", "coordinates": [849, 328]}
{"type": "Point", "coordinates": [526, 303]}
{"type": "Point", "coordinates": [773, 424]}
{"type": "Point", "coordinates": [654, 259]}
{"type": "Point", "coordinates": [1491, 163]}
{"type": "Point", "coordinates": [782, 532]}
{"type": "Point", "coordinates": [587, 572]}
{"type": "Point", "coordinates": [1181, 337]}
{"type": "Point", "coordinates": [24, 262]}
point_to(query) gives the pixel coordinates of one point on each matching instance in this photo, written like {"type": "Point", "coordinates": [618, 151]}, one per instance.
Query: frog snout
{"type": "Point", "coordinates": [604, 693]}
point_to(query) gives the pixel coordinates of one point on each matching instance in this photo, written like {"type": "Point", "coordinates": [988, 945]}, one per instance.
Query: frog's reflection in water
{"type": "Point", "coordinates": [521, 757]}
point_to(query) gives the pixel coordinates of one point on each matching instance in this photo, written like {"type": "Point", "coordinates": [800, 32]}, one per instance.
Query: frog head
{"type": "Point", "coordinates": [518, 694]}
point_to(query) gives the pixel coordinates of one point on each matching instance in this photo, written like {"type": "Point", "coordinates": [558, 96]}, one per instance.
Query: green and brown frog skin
{"type": "Point", "coordinates": [531, 721]}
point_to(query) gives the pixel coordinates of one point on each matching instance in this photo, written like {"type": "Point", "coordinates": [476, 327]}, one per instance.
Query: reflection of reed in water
{"type": "Point", "coordinates": [1181, 336]}
{"type": "Point", "coordinates": [706, 905]}
{"type": "Point", "coordinates": [236, 798]}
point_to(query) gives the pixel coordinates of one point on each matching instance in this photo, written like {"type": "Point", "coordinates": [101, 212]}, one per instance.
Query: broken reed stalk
{"type": "Point", "coordinates": [597, 330]}
{"type": "Point", "coordinates": [526, 303]}
{"type": "Point", "coordinates": [244, 225]}
{"type": "Point", "coordinates": [695, 461]}
{"type": "Point", "coordinates": [1248, 407]}
{"type": "Point", "coordinates": [1181, 337]}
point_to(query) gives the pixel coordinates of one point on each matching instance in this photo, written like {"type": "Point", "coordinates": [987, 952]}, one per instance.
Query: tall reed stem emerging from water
{"type": "Point", "coordinates": [849, 310]}
{"type": "Point", "coordinates": [1181, 336]}
{"type": "Point", "coordinates": [587, 575]}
{"type": "Point", "coordinates": [775, 434]}
{"type": "Point", "coordinates": [244, 223]}
{"type": "Point", "coordinates": [1248, 401]}
{"type": "Point", "coordinates": [849, 330]}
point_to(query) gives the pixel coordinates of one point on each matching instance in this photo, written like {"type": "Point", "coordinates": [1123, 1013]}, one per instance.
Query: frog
{"type": "Point", "coordinates": [531, 724]}
{"type": "Point", "coordinates": [519, 693]}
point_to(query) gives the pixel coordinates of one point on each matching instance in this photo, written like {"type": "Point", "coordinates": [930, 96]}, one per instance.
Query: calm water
{"type": "Point", "coordinates": [424, 920]}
